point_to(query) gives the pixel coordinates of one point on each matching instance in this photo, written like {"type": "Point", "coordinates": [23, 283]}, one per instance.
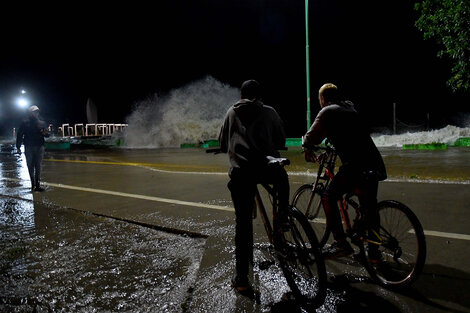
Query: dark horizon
{"type": "Point", "coordinates": [120, 55]}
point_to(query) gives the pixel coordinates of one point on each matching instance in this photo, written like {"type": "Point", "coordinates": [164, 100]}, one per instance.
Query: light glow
{"type": "Point", "coordinates": [22, 102]}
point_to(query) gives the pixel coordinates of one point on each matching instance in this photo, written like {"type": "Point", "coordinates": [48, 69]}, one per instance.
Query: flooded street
{"type": "Point", "coordinates": [58, 260]}
{"type": "Point", "coordinates": [151, 230]}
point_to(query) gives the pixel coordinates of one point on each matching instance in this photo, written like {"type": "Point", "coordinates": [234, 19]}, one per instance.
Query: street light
{"type": "Point", "coordinates": [22, 103]}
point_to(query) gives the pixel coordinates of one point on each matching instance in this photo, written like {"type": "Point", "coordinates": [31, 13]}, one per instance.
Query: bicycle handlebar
{"type": "Point", "coordinates": [318, 148]}
{"type": "Point", "coordinates": [270, 160]}
{"type": "Point", "coordinates": [325, 153]}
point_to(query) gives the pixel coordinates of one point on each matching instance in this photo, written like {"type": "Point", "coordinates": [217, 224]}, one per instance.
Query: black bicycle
{"type": "Point", "coordinates": [295, 247]}
{"type": "Point", "coordinates": [400, 239]}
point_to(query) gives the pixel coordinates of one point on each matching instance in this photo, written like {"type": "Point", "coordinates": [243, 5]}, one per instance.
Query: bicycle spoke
{"type": "Point", "coordinates": [402, 249]}
{"type": "Point", "coordinates": [301, 249]}
{"type": "Point", "coordinates": [305, 272]}
{"type": "Point", "coordinates": [308, 201]}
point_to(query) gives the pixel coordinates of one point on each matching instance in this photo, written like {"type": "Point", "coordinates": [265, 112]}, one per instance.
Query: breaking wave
{"type": "Point", "coordinates": [192, 113]}
{"type": "Point", "coordinates": [448, 135]}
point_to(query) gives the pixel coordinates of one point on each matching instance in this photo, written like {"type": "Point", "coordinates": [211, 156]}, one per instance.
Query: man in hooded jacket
{"type": "Point", "coordinates": [251, 132]}
{"type": "Point", "coordinates": [362, 165]}
{"type": "Point", "coordinates": [31, 133]}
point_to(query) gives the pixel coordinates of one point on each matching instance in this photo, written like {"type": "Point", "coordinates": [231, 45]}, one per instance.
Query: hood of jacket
{"type": "Point", "coordinates": [248, 110]}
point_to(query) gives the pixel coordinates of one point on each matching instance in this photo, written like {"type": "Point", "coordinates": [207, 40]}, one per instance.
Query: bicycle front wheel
{"type": "Point", "coordinates": [402, 247]}
{"type": "Point", "coordinates": [302, 262]}
{"type": "Point", "coordinates": [308, 201]}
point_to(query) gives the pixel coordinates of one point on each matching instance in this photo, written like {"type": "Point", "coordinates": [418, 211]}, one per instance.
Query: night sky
{"type": "Point", "coordinates": [119, 54]}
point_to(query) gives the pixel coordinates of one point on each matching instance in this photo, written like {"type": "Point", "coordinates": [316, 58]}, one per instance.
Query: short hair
{"type": "Point", "coordinates": [329, 92]}
{"type": "Point", "coordinates": [250, 89]}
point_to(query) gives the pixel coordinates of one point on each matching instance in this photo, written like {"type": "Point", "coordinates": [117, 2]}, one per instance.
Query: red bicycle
{"type": "Point", "coordinates": [400, 239]}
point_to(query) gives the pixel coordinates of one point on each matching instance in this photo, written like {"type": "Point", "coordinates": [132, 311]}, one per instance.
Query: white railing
{"type": "Point", "coordinates": [88, 130]}
{"type": "Point", "coordinates": [66, 130]}
{"type": "Point", "coordinates": [79, 130]}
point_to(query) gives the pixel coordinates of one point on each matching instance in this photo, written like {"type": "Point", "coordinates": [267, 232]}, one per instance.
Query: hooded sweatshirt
{"type": "Point", "coordinates": [251, 131]}
{"type": "Point", "coordinates": [30, 132]}
{"type": "Point", "coordinates": [341, 124]}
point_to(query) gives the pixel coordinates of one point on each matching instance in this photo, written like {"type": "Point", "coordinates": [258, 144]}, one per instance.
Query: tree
{"type": "Point", "coordinates": [448, 22]}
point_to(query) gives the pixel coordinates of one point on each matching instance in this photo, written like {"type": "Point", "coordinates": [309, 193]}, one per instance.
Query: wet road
{"type": "Point", "coordinates": [56, 257]}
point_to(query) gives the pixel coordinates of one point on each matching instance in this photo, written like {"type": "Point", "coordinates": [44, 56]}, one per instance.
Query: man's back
{"type": "Point", "coordinates": [251, 131]}
{"type": "Point", "coordinates": [346, 131]}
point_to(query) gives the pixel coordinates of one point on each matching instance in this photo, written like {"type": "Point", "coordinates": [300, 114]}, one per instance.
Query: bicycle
{"type": "Point", "coordinates": [296, 247]}
{"type": "Point", "coordinates": [400, 238]}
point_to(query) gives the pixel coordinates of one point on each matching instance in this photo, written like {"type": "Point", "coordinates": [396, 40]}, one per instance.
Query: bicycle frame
{"type": "Point", "coordinates": [392, 251]}
{"type": "Point", "coordinates": [259, 203]}
{"type": "Point", "coordinates": [262, 210]}
{"type": "Point", "coordinates": [325, 174]}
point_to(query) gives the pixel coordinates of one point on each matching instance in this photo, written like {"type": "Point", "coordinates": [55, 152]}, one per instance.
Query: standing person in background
{"type": "Point", "coordinates": [251, 132]}
{"type": "Point", "coordinates": [31, 133]}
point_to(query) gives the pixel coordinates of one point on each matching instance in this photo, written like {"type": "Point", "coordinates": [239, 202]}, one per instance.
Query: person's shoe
{"type": "Point", "coordinates": [242, 286]}
{"type": "Point", "coordinates": [40, 189]}
{"type": "Point", "coordinates": [337, 250]}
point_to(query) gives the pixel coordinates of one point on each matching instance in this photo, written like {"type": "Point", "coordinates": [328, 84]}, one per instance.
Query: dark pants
{"type": "Point", "coordinates": [34, 155]}
{"type": "Point", "coordinates": [349, 180]}
{"type": "Point", "coordinates": [242, 187]}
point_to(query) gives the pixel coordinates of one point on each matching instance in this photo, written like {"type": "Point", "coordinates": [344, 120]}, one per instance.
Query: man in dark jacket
{"type": "Point", "coordinates": [362, 165]}
{"type": "Point", "coordinates": [251, 132]}
{"type": "Point", "coordinates": [31, 133]}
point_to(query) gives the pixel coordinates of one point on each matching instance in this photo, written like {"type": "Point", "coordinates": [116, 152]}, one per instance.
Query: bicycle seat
{"type": "Point", "coordinates": [280, 161]}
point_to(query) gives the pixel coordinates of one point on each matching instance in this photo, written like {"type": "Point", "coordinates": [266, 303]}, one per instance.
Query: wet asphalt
{"type": "Point", "coordinates": [187, 198]}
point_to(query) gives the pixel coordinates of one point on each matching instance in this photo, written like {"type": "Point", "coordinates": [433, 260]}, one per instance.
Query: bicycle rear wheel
{"type": "Point", "coordinates": [302, 262]}
{"type": "Point", "coordinates": [403, 246]}
{"type": "Point", "coordinates": [309, 203]}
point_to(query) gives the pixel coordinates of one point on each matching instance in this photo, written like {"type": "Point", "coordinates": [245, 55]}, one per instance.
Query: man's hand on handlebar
{"type": "Point", "coordinates": [310, 156]}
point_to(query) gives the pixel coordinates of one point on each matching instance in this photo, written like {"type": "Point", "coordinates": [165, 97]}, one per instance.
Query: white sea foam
{"type": "Point", "coordinates": [448, 134]}
{"type": "Point", "coordinates": [189, 114]}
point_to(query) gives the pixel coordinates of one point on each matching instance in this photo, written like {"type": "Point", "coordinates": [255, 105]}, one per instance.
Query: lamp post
{"type": "Point", "coordinates": [307, 50]}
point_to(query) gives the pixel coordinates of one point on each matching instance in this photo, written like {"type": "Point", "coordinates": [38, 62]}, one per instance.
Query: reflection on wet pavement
{"type": "Point", "coordinates": [60, 260]}
{"type": "Point", "coordinates": [13, 165]}
{"type": "Point", "coordinates": [56, 259]}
